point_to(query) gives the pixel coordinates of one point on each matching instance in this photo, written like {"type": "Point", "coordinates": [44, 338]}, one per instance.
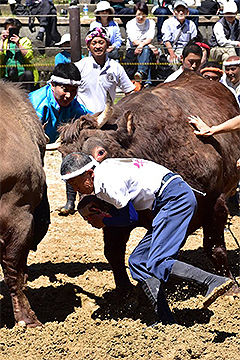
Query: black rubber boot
{"type": "Point", "coordinates": [154, 292]}
{"type": "Point", "coordinates": [69, 208]}
{"type": "Point", "coordinates": [217, 285]}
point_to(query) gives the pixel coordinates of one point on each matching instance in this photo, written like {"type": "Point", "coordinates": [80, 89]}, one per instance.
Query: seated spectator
{"type": "Point", "coordinates": [48, 24]}
{"type": "Point", "coordinates": [16, 54]}
{"type": "Point", "coordinates": [178, 31]}
{"type": "Point", "coordinates": [140, 34]}
{"type": "Point", "coordinates": [164, 9]}
{"type": "Point", "coordinates": [212, 70]}
{"type": "Point", "coordinates": [231, 77]}
{"type": "Point", "coordinates": [64, 56]}
{"type": "Point", "coordinates": [225, 40]}
{"type": "Point", "coordinates": [104, 17]}
{"type": "Point", "coordinates": [120, 8]}
{"type": "Point", "coordinates": [191, 60]}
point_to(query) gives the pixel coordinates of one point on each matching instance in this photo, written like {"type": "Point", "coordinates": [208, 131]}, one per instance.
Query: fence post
{"type": "Point", "coordinates": [75, 31]}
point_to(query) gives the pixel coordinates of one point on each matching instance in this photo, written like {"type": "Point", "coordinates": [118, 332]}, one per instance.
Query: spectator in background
{"type": "Point", "coordinates": [140, 34]}
{"type": "Point", "coordinates": [225, 40]}
{"type": "Point", "coordinates": [164, 9]}
{"type": "Point", "coordinates": [64, 56]}
{"type": "Point", "coordinates": [48, 24]}
{"type": "Point", "coordinates": [178, 31]}
{"type": "Point", "coordinates": [104, 17]}
{"type": "Point", "coordinates": [16, 54]}
{"type": "Point", "coordinates": [191, 60]}
{"type": "Point", "coordinates": [212, 70]}
{"type": "Point", "coordinates": [120, 8]}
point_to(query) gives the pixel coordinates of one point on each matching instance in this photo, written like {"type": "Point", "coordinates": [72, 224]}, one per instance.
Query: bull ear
{"type": "Point", "coordinates": [106, 114]}
{"type": "Point", "coordinates": [129, 122]}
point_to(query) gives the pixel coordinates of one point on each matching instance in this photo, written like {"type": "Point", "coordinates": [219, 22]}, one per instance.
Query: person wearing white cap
{"type": "Point", "coordinates": [104, 17]}
{"type": "Point", "coordinates": [178, 31]}
{"type": "Point", "coordinates": [64, 56]}
{"type": "Point", "coordinates": [225, 40]}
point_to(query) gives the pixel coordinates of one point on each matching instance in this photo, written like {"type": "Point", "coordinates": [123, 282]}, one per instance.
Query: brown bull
{"type": "Point", "coordinates": [24, 209]}
{"type": "Point", "coordinates": [154, 125]}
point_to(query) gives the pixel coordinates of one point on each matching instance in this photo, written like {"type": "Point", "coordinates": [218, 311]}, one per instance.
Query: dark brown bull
{"type": "Point", "coordinates": [24, 209]}
{"type": "Point", "coordinates": [154, 125]}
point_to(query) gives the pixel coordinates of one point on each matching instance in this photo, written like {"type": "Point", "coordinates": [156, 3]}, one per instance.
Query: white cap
{"type": "Point", "coordinates": [65, 38]}
{"type": "Point", "coordinates": [103, 5]}
{"type": "Point", "coordinates": [230, 7]}
{"type": "Point", "coordinates": [180, 3]}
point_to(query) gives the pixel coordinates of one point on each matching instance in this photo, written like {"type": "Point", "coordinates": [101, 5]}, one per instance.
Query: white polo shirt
{"type": "Point", "coordinates": [96, 81]}
{"type": "Point", "coordinates": [117, 181]}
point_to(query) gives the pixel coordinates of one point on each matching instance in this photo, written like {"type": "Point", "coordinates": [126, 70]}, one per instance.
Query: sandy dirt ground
{"type": "Point", "coordinates": [71, 289]}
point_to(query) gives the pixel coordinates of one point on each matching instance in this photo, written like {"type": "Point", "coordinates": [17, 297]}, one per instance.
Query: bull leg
{"type": "Point", "coordinates": [14, 259]}
{"type": "Point", "coordinates": [115, 240]}
{"type": "Point", "coordinates": [213, 230]}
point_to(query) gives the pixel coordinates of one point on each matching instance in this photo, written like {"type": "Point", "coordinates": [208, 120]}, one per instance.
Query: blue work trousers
{"type": "Point", "coordinates": [158, 250]}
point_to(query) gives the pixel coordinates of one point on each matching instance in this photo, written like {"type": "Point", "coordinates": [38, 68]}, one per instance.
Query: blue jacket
{"type": "Point", "coordinates": [62, 57]}
{"type": "Point", "coordinates": [50, 112]}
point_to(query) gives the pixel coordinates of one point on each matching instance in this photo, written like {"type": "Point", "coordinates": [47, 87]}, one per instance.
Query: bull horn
{"type": "Point", "coordinates": [103, 117]}
{"type": "Point", "coordinates": [54, 146]}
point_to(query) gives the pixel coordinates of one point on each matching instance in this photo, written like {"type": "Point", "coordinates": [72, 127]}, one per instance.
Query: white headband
{"type": "Point", "coordinates": [230, 63]}
{"type": "Point", "coordinates": [61, 80]}
{"type": "Point", "coordinates": [78, 172]}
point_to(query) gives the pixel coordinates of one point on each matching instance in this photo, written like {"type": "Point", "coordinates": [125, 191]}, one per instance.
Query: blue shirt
{"type": "Point", "coordinates": [62, 57]}
{"type": "Point", "coordinates": [50, 112]}
{"type": "Point", "coordinates": [171, 28]}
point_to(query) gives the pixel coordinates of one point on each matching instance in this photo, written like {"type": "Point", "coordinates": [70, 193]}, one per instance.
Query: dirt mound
{"type": "Point", "coordinates": [71, 289]}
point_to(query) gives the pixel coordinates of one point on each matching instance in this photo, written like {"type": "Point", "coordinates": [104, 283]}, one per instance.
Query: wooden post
{"type": "Point", "coordinates": [75, 32]}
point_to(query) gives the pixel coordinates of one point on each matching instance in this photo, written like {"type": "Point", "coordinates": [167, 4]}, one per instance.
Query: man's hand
{"type": "Point", "coordinates": [138, 50]}
{"type": "Point", "coordinates": [96, 220]}
{"type": "Point", "coordinates": [202, 128]}
{"type": "Point", "coordinates": [110, 48]}
{"type": "Point", "coordinates": [5, 34]}
{"type": "Point", "coordinates": [15, 39]}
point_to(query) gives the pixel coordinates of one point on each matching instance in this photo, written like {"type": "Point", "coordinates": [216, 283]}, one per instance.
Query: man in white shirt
{"type": "Point", "coordinates": [191, 60]}
{"type": "Point", "coordinates": [99, 74]}
{"type": "Point", "coordinates": [225, 40]}
{"type": "Point", "coordinates": [146, 185]}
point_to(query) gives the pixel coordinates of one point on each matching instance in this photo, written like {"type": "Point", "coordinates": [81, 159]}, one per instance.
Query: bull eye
{"type": "Point", "coordinates": [101, 152]}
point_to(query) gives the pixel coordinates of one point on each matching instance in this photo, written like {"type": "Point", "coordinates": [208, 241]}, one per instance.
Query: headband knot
{"type": "Point", "coordinates": [97, 32]}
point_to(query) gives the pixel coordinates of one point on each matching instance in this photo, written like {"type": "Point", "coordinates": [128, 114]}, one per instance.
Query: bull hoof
{"type": "Point", "coordinates": [218, 291]}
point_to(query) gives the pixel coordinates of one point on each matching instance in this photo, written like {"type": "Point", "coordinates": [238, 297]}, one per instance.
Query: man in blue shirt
{"type": "Point", "coordinates": [56, 104]}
